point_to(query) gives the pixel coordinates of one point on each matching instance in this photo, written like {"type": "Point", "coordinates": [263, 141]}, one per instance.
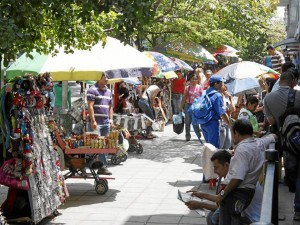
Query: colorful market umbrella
{"type": "Point", "coordinates": [244, 69]}
{"type": "Point", "coordinates": [164, 63]}
{"type": "Point", "coordinates": [115, 60]}
{"type": "Point", "coordinates": [170, 75]}
{"type": "Point", "coordinates": [182, 64]}
{"type": "Point", "coordinates": [187, 50]}
{"type": "Point", "coordinates": [25, 64]}
{"type": "Point", "coordinates": [227, 51]}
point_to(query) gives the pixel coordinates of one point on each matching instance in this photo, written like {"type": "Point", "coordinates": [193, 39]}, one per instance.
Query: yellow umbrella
{"type": "Point", "coordinates": [170, 75]}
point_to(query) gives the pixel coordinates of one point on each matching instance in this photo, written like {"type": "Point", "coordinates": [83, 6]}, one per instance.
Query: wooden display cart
{"type": "Point", "coordinates": [77, 159]}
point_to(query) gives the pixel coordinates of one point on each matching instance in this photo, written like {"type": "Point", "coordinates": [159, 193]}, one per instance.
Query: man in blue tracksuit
{"type": "Point", "coordinates": [211, 129]}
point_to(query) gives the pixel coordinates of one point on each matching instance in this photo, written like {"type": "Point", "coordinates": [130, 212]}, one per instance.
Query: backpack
{"type": "Point", "coordinates": [290, 127]}
{"type": "Point", "coordinates": [201, 109]}
{"type": "Point", "coordinates": [289, 139]}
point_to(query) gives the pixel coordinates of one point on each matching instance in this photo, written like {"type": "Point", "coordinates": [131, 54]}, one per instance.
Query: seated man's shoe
{"type": "Point", "coordinates": [104, 171]}
{"type": "Point", "coordinates": [188, 137]}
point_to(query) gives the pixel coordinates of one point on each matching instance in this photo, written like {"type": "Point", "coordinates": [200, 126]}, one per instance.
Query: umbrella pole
{"type": "Point", "coordinates": [84, 114]}
{"type": "Point", "coordinates": [1, 78]}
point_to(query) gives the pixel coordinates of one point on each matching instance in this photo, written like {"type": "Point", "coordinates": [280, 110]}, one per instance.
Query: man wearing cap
{"type": "Point", "coordinates": [211, 129]}
{"type": "Point", "coordinates": [206, 83]}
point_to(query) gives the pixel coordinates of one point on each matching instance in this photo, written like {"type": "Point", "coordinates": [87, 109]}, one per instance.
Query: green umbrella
{"type": "Point", "coordinates": [186, 50]}
{"type": "Point", "coordinates": [25, 65]}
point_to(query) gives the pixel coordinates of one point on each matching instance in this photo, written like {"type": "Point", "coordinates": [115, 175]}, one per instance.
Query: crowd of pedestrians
{"type": "Point", "coordinates": [245, 128]}
{"type": "Point", "coordinates": [239, 126]}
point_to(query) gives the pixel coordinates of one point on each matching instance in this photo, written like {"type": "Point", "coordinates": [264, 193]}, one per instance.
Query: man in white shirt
{"type": "Point", "coordinates": [244, 171]}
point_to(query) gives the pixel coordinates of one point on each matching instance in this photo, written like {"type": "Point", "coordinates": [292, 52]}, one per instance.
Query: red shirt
{"type": "Point", "coordinates": [206, 84]}
{"type": "Point", "coordinates": [178, 85]}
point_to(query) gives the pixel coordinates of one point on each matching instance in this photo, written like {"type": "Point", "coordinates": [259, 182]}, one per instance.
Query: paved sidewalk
{"type": "Point", "coordinates": [145, 188]}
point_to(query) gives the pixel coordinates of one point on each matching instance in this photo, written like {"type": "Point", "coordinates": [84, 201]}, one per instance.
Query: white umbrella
{"type": "Point", "coordinates": [244, 69]}
{"type": "Point", "coordinates": [243, 86]}
{"type": "Point", "coordinates": [115, 60]}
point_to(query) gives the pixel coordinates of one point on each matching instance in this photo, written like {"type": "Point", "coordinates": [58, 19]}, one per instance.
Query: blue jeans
{"type": "Point", "coordinates": [176, 100]}
{"type": "Point", "coordinates": [225, 137]}
{"type": "Point", "coordinates": [188, 122]}
{"type": "Point", "coordinates": [146, 108]}
{"type": "Point", "coordinates": [213, 217]}
{"type": "Point", "coordinates": [103, 131]}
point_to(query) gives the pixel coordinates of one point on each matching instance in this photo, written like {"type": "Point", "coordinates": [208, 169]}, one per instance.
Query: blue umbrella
{"type": "Point", "coordinates": [132, 80]}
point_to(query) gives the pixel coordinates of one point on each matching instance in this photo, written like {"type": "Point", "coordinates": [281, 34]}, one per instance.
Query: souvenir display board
{"type": "Point", "coordinates": [32, 163]}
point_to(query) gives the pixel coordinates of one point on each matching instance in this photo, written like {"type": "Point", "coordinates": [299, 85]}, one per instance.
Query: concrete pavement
{"type": "Point", "coordinates": [145, 188]}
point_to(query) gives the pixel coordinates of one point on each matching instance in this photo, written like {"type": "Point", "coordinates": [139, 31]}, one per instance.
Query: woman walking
{"type": "Point", "coordinates": [191, 92]}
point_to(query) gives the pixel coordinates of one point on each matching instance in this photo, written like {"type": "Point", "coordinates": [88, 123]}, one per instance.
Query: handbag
{"type": "Point", "coordinates": [8, 178]}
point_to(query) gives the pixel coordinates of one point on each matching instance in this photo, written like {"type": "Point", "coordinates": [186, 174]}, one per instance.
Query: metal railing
{"type": "Point", "coordinates": [269, 208]}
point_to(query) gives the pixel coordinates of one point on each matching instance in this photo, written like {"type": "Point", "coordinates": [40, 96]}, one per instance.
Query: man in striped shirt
{"type": "Point", "coordinates": [100, 108]}
{"type": "Point", "coordinates": [276, 58]}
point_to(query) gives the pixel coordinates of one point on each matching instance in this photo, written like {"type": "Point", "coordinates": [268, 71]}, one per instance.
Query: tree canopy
{"type": "Point", "coordinates": [45, 24]}
{"type": "Point", "coordinates": [242, 24]}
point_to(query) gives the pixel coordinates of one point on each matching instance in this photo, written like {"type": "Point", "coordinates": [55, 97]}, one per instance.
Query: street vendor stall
{"type": "Point", "coordinates": [31, 168]}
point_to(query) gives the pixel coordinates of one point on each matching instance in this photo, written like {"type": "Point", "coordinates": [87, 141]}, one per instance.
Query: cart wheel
{"type": "Point", "coordinates": [139, 148]}
{"type": "Point", "coordinates": [124, 157]}
{"type": "Point", "coordinates": [115, 160]}
{"type": "Point", "coordinates": [101, 187]}
{"type": "Point", "coordinates": [131, 148]}
{"type": "Point", "coordinates": [56, 213]}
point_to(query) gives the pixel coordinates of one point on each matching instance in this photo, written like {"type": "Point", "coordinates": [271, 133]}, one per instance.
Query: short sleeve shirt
{"type": "Point", "coordinates": [217, 102]}
{"type": "Point", "coordinates": [248, 159]}
{"type": "Point", "coordinates": [178, 85]}
{"type": "Point", "coordinates": [275, 103]}
{"type": "Point", "coordinates": [193, 92]}
{"type": "Point", "coordinates": [102, 101]}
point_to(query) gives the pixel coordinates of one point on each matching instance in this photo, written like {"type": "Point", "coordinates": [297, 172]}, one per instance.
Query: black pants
{"type": "Point", "coordinates": [233, 205]}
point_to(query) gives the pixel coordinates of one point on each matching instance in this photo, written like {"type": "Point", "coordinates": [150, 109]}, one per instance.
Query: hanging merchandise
{"type": "Point", "coordinates": [32, 168]}
{"type": "Point", "coordinates": [2, 219]}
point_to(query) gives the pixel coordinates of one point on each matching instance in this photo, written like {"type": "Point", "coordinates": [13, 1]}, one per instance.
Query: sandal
{"type": "Point", "coordinates": [149, 136]}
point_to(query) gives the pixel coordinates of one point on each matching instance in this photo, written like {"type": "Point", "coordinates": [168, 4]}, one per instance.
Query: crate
{"type": "Point", "coordinates": [76, 163]}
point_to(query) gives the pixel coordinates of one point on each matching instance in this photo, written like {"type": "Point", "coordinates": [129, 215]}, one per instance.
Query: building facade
{"type": "Point", "coordinates": [291, 45]}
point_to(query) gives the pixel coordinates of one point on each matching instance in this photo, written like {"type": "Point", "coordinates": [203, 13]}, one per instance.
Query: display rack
{"type": "Point", "coordinates": [34, 177]}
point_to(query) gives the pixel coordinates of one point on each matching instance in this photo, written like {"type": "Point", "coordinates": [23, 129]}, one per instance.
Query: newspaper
{"type": "Point", "coordinates": [187, 197]}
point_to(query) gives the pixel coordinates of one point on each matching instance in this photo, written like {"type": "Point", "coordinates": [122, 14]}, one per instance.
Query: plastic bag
{"type": "Point", "coordinates": [178, 128]}
{"type": "Point", "coordinates": [177, 119]}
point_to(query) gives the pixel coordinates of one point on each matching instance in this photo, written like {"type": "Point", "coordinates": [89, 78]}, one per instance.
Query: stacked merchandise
{"type": "Point", "coordinates": [32, 168]}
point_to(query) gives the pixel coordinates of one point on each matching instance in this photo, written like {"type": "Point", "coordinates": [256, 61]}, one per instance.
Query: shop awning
{"type": "Point", "coordinates": [287, 42]}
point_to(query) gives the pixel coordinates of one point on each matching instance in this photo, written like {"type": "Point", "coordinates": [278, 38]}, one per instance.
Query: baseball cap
{"type": "Point", "coordinates": [208, 72]}
{"type": "Point", "coordinates": [216, 78]}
